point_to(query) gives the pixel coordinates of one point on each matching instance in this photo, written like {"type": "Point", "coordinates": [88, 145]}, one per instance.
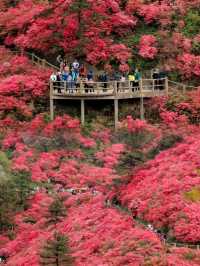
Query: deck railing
{"type": "Point", "coordinates": [110, 88]}
{"type": "Point", "coordinates": [36, 59]}
{"type": "Point", "coordinates": [180, 87]}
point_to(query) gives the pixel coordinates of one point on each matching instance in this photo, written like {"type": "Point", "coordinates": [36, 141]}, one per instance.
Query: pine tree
{"type": "Point", "coordinates": [56, 212]}
{"type": "Point", "coordinates": [56, 252]}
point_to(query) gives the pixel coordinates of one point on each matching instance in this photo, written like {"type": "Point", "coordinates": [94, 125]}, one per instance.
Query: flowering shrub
{"type": "Point", "coordinates": [82, 171]}
{"type": "Point", "coordinates": [98, 235]}
{"type": "Point", "coordinates": [21, 86]}
{"type": "Point", "coordinates": [158, 191]}
{"type": "Point", "coordinates": [147, 47]}
{"type": "Point", "coordinates": [109, 28]}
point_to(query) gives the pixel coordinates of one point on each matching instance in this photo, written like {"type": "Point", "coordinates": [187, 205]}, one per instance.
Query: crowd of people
{"type": "Point", "coordinates": [70, 76]}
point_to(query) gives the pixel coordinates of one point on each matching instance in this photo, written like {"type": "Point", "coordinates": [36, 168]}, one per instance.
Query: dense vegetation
{"type": "Point", "coordinates": [142, 33]}
{"type": "Point", "coordinates": [85, 196]}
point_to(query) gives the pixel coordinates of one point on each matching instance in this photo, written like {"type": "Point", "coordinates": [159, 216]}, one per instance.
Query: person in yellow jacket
{"type": "Point", "coordinates": [131, 78]}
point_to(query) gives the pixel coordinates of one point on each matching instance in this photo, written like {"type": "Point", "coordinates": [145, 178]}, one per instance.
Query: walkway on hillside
{"type": "Point", "coordinates": [112, 90]}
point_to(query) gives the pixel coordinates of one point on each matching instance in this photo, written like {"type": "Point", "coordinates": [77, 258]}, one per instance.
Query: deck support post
{"type": "Point", "coordinates": [167, 86]}
{"type": "Point", "coordinates": [51, 109]}
{"type": "Point", "coordinates": [141, 100]}
{"type": "Point", "coordinates": [116, 111]}
{"type": "Point", "coordinates": [51, 101]}
{"type": "Point", "coordinates": [184, 88]}
{"type": "Point", "coordinates": [82, 112]}
{"type": "Point", "coordinates": [142, 108]}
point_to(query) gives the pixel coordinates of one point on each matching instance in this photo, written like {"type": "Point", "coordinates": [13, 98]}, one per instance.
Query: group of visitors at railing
{"type": "Point", "coordinates": [70, 76]}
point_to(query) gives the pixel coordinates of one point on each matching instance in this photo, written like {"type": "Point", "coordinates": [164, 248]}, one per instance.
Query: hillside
{"type": "Point", "coordinates": [92, 196]}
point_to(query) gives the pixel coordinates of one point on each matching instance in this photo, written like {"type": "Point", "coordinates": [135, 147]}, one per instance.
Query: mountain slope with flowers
{"type": "Point", "coordinates": [106, 186]}
{"type": "Point", "coordinates": [73, 196]}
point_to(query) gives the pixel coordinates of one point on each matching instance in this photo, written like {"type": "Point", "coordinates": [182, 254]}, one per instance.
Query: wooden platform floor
{"type": "Point", "coordinates": [103, 95]}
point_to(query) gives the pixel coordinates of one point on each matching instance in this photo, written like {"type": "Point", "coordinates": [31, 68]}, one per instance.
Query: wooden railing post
{"type": "Point", "coordinates": [167, 86]}
{"type": "Point", "coordinates": [141, 85]}
{"type": "Point", "coordinates": [141, 100]}
{"type": "Point", "coordinates": [184, 88]}
{"type": "Point", "coordinates": [81, 89]}
{"type": "Point", "coordinates": [65, 86]}
{"type": "Point", "coordinates": [115, 88]}
{"type": "Point", "coordinates": [43, 62]}
{"type": "Point", "coordinates": [153, 89]}
{"type": "Point", "coordinates": [116, 113]}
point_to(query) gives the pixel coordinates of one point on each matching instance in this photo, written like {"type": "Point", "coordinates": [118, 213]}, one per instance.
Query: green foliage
{"type": "Point", "coordinates": [78, 5]}
{"type": "Point", "coordinates": [23, 186]}
{"type": "Point", "coordinates": [192, 23]}
{"type": "Point", "coordinates": [30, 220]}
{"type": "Point", "coordinates": [14, 193]}
{"type": "Point", "coordinates": [174, 100]}
{"type": "Point", "coordinates": [45, 144]}
{"type": "Point", "coordinates": [189, 255]}
{"type": "Point", "coordinates": [9, 154]}
{"type": "Point", "coordinates": [4, 161]}
{"type": "Point", "coordinates": [193, 195]}
{"type": "Point", "coordinates": [165, 143]}
{"type": "Point", "coordinates": [130, 160]}
{"type": "Point", "coordinates": [196, 48]}
{"type": "Point", "coordinates": [57, 211]}
{"type": "Point", "coordinates": [176, 76]}
{"type": "Point", "coordinates": [133, 41]}
{"type": "Point", "coordinates": [133, 140]}
{"type": "Point", "coordinates": [141, 29]}
{"type": "Point", "coordinates": [56, 252]}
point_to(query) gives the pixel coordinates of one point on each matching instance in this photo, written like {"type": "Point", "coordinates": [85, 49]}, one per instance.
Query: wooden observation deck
{"type": "Point", "coordinates": [112, 90]}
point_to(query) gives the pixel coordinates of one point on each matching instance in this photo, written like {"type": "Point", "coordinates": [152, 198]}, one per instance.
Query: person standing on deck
{"type": "Point", "coordinates": [105, 80]}
{"type": "Point", "coordinates": [89, 82]}
{"type": "Point", "coordinates": [156, 78]}
{"type": "Point", "coordinates": [53, 76]}
{"type": "Point", "coordinates": [70, 83]}
{"type": "Point", "coordinates": [138, 77]}
{"type": "Point", "coordinates": [53, 79]}
{"type": "Point", "coordinates": [122, 82]}
{"type": "Point", "coordinates": [131, 78]}
{"type": "Point", "coordinates": [58, 81]}
{"type": "Point", "coordinates": [74, 74]}
{"type": "Point", "coordinates": [162, 77]}
{"type": "Point", "coordinates": [83, 71]}
{"type": "Point", "coordinates": [64, 78]}
{"type": "Point", "coordinates": [117, 77]}
{"type": "Point", "coordinates": [75, 66]}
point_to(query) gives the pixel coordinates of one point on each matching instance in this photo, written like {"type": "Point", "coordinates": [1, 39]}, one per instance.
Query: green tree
{"type": "Point", "coordinates": [56, 211]}
{"type": "Point", "coordinates": [56, 252]}
{"type": "Point", "coordinates": [192, 23]}
{"type": "Point", "coordinates": [15, 189]}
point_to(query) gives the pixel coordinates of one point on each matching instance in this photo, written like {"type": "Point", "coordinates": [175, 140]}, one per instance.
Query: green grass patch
{"type": "Point", "coordinates": [193, 195]}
